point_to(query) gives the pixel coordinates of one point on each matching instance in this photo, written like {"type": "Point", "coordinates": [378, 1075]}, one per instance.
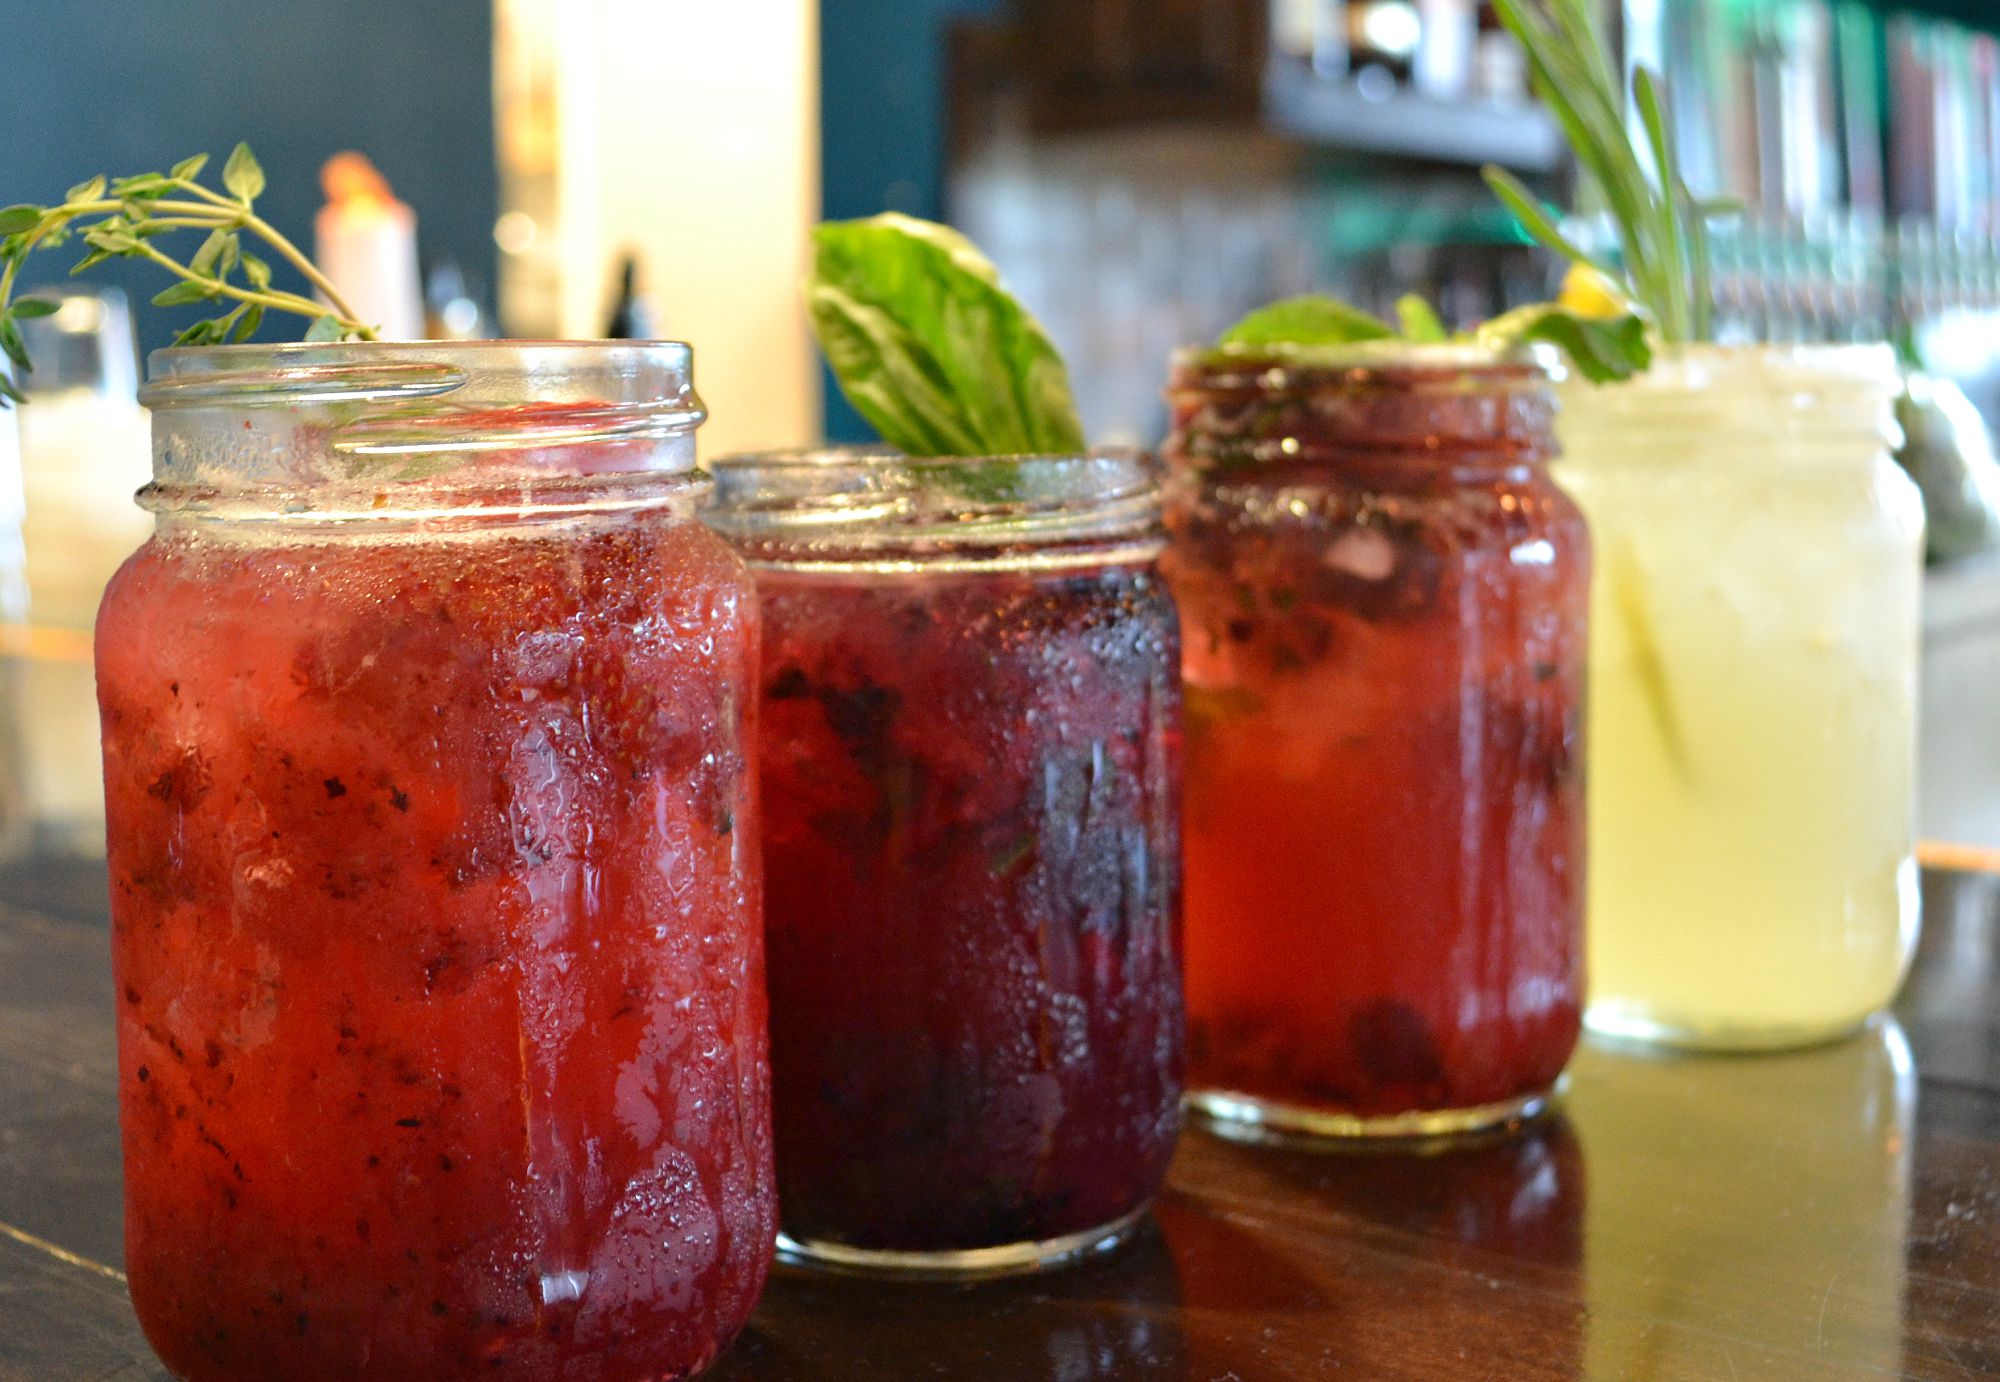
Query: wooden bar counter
{"type": "Point", "coordinates": [1829, 1214]}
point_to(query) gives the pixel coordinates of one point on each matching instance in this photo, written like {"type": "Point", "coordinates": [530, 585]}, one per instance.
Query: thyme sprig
{"type": "Point", "coordinates": [1662, 228]}
{"type": "Point", "coordinates": [123, 218]}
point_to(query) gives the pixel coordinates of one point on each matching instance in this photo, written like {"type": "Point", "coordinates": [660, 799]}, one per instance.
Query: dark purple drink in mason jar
{"type": "Point", "coordinates": [969, 738]}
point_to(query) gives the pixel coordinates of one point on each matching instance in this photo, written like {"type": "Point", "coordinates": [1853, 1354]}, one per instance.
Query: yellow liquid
{"type": "Point", "coordinates": [1751, 737]}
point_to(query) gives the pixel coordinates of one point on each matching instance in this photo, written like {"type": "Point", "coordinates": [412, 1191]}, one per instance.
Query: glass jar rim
{"type": "Point", "coordinates": [1381, 363]}
{"type": "Point", "coordinates": [1401, 409]}
{"type": "Point", "coordinates": [446, 396]}
{"type": "Point", "coordinates": [319, 431]}
{"type": "Point", "coordinates": [1742, 392]}
{"type": "Point", "coordinates": [841, 504]}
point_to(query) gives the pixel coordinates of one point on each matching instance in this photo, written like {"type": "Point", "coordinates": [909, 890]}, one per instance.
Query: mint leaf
{"type": "Point", "coordinates": [1419, 322]}
{"type": "Point", "coordinates": [1602, 350]}
{"type": "Point", "coordinates": [930, 348]}
{"type": "Point", "coordinates": [1307, 321]}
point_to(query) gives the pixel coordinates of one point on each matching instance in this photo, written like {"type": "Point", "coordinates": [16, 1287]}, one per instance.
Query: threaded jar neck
{"type": "Point", "coordinates": [380, 431]}
{"type": "Point", "coordinates": [843, 507]}
{"type": "Point", "coordinates": [1390, 410]}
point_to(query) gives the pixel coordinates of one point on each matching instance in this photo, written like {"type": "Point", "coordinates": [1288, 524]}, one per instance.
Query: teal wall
{"type": "Point", "coordinates": [882, 136]}
{"type": "Point", "coordinates": [133, 87]}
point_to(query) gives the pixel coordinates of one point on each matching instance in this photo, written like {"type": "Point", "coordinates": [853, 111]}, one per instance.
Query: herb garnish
{"type": "Point", "coordinates": [1662, 231]}
{"type": "Point", "coordinates": [1662, 227]}
{"type": "Point", "coordinates": [930, 348]}
{"type": "Point", "coordinates": [125, 217]}
{"type": "Point", "coordinates": [1600, 347]}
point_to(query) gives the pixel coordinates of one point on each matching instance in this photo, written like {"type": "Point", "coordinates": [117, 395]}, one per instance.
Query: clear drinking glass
{"type": "Point", "coordinates": [83, 453]}
{"type": "Point", "coordinates": [435, 890]}
{"type": "Point", "coordinates": [971, 715]}
{"type": "Point", "coordinates": [1752, 693]}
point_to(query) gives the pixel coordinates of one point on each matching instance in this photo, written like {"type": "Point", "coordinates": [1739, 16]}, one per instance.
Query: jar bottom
{"type": "Point", "coordinates": [968, 1264]}
{"type": "Point", "coordinates": [1632, 1024]}
{"type": "Point", "coordinates": [1251, 1118]}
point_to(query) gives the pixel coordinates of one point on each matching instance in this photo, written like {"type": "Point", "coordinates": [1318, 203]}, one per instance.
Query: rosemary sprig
{"type": "Point", "coordinates": [122, 219]}
{"type": "Point", "coordinates": [1662, 228]}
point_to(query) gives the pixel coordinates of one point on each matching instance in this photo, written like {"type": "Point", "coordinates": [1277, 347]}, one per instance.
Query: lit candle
{"type": "Point", "coordinates": [366, 244]}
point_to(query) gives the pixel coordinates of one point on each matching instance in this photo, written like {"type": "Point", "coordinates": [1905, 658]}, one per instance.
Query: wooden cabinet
{"type": "Point", "coordinates": [1091, 63]}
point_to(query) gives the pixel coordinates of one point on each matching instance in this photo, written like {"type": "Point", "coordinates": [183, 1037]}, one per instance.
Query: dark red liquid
{"type": "Point", "coordinates": [1384, 658]}
{"type": "Point", "coordinates": [973, 911]}
{"type": "Point", "coordinates": [441, 1014]}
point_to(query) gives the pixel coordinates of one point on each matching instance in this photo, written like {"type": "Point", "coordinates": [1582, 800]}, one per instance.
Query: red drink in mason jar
{"type": "Point", "coordinates": [436, 898]}
{"type": "Point", "coordinates": [969, 725]}
{"type": "Point", "coordinates": [1384, 607]}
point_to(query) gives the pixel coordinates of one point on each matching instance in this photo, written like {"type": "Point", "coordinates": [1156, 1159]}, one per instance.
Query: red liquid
{"type": "Point", "coordinates": [441, 1019]}
{"type": "Point", "coordinates": [976, 1016]}
{"type": "Point", "coordinates": [1384, 828]}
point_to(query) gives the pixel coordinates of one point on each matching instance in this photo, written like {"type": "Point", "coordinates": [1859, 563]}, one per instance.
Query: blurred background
{"type": "Point", "coordinates": [1143, 171]}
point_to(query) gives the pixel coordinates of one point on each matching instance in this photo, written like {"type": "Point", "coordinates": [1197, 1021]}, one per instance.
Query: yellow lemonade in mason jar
{"type": "Point", "coordinates": [1752, 694]}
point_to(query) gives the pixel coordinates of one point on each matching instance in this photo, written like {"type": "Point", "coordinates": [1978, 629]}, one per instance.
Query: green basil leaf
{"type": "Point", "coordinates": [28, 308]}
{"type": "Point", "coordinates": [257, 271]}
{"type": "Point", "coordinates": [325, 329]}
{"type": "Point", "coordinates": [1307, 321]}
{"type": "Point", "coordinates": [1419, 321]}
{"type": "Point", "coordinates": [88, 191]}
{"type": "Point", "coordinates": [930, 348]}
{"type": "Point", "coordinates": [886, 375]}
{"type": "Point", "coordinates": [189, 168]}
{"type": "Point", "coordinates": [242, 175]}
{"type": "Point", "coordinates": [15, 219]}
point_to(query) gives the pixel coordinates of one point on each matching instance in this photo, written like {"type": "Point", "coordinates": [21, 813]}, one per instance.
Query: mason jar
{"type": "Point", "coordinates": [1753, 692]}
{"type": "Point", "coordinates": [970, 722]}
{"type": "Point", "coordinates": [1384, 601]}
{"type": "Point", "coordinates": [435, 887]}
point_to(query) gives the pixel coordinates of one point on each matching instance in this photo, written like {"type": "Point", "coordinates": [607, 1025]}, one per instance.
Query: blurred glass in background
{"type": "Point", "coordinates": [15, 822]}
{"type": "Point", "coordinates": [83, 452]}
